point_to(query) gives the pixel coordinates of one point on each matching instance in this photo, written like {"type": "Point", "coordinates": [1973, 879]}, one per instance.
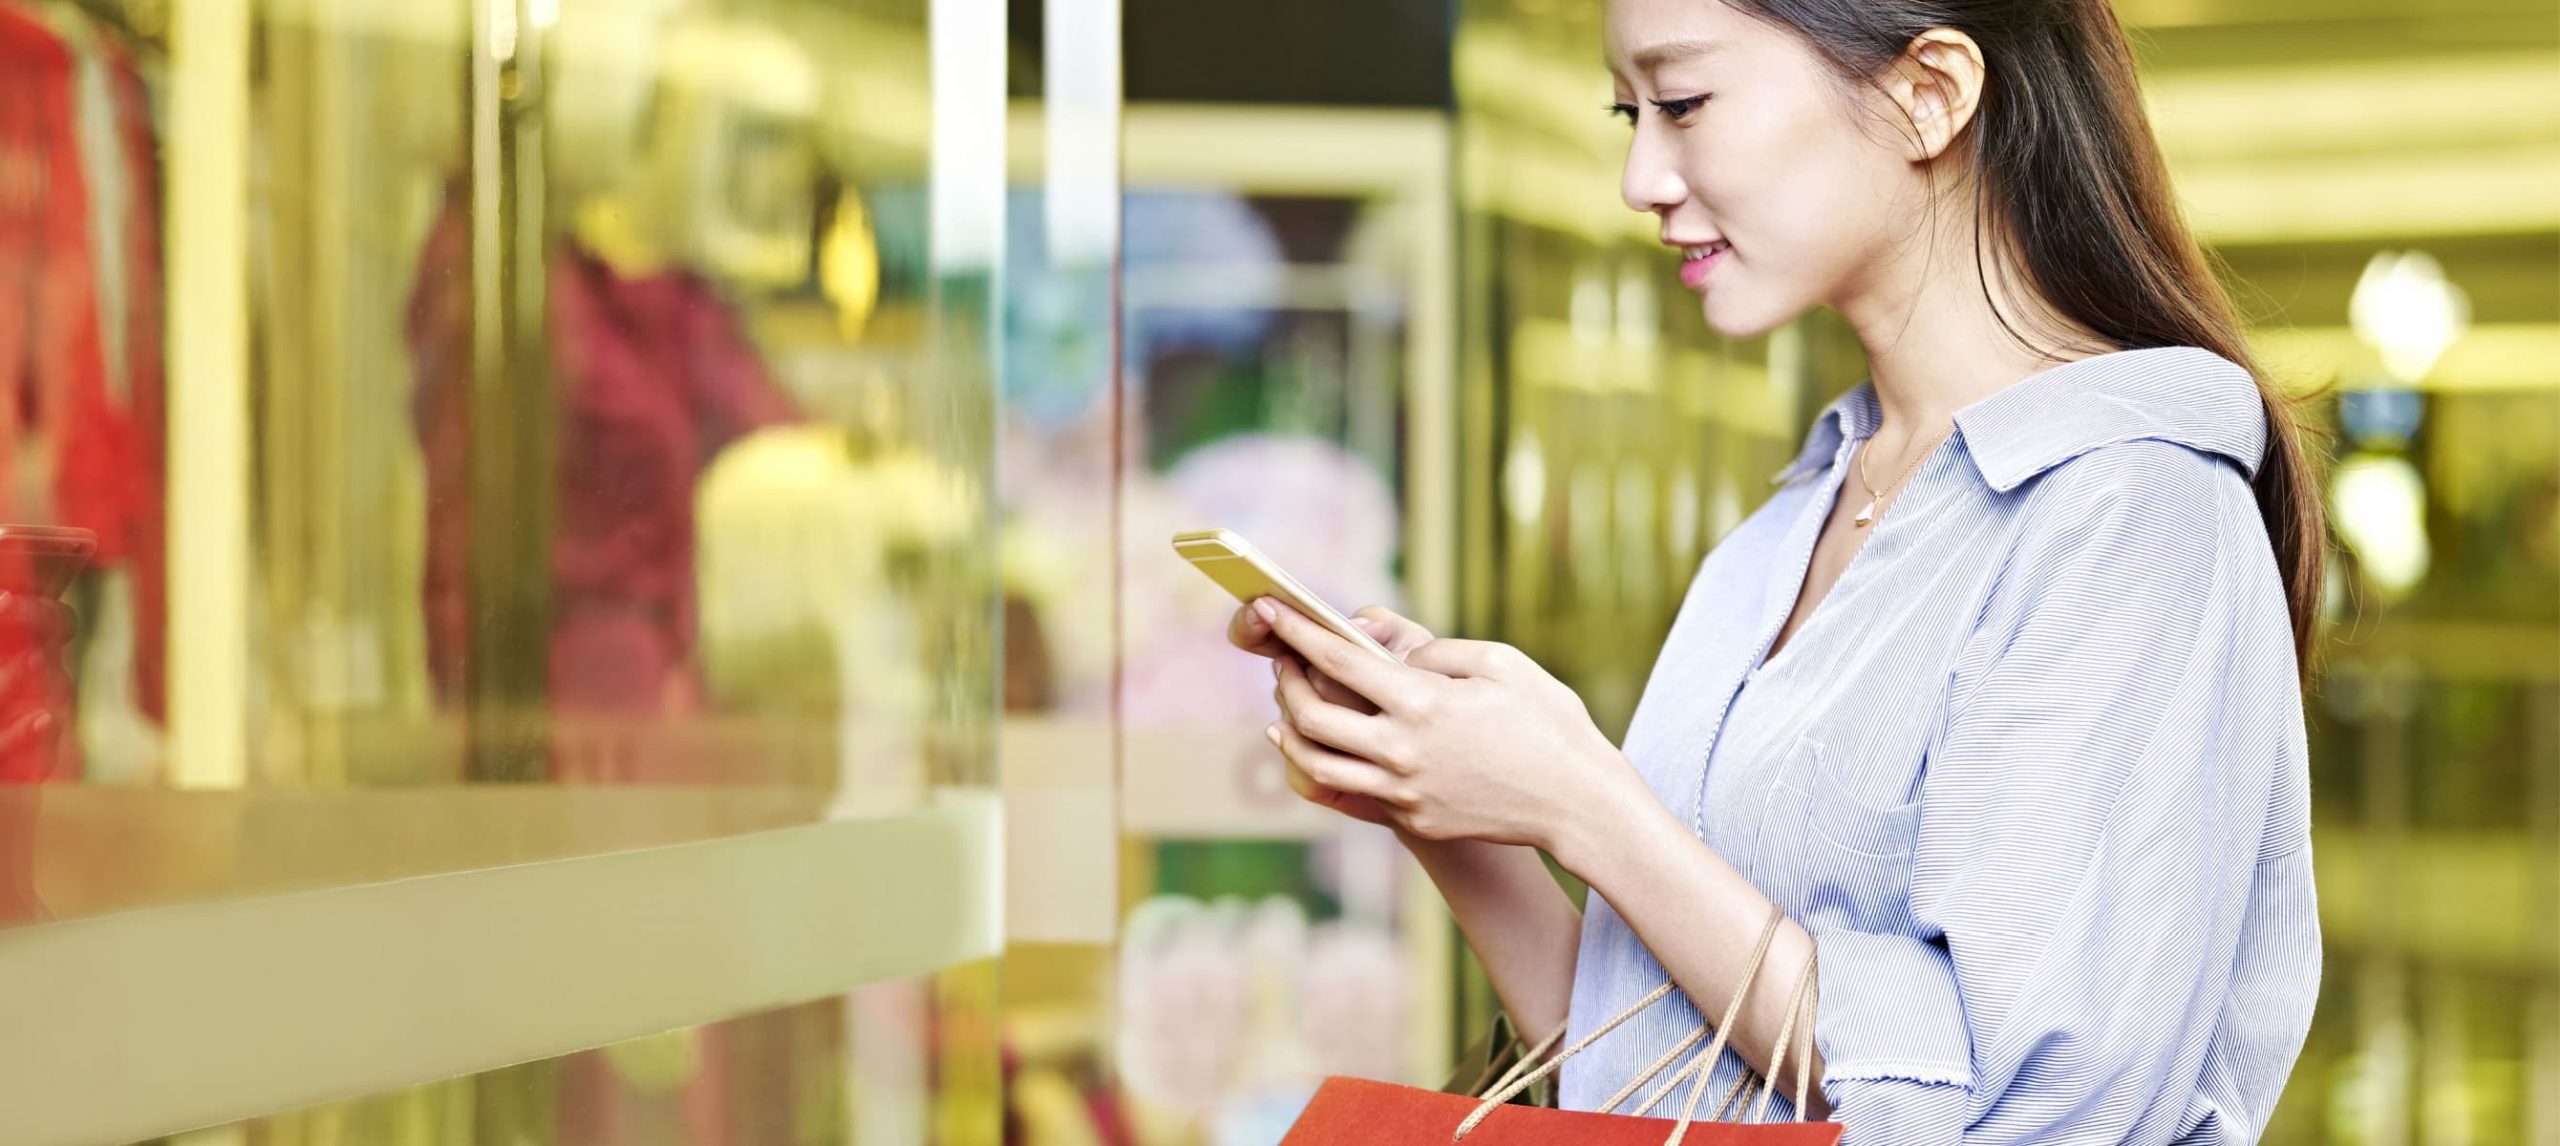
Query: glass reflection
{"type": "Point", "coordinates": [604, 428]}
{"type": "Point", "coordinates": [509, 430]}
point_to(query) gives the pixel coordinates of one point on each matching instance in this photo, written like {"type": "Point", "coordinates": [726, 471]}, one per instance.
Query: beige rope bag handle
{"type": "Point", "coordinates": [1798, 1027]}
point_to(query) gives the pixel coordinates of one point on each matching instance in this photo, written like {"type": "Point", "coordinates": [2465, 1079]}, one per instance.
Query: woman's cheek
{"type": "Point", "coordinates": [1799, 249]}
{"type": "Point", "coordinates": [1762, 285]}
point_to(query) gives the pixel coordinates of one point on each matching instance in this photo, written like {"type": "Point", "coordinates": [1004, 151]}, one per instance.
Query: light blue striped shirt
{"type": "Point", "coordinates": [2033, 773]}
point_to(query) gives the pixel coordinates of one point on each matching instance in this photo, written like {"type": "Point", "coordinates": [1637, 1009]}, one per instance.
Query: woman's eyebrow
{"type": "Point", "coordinates": [1653, 56]}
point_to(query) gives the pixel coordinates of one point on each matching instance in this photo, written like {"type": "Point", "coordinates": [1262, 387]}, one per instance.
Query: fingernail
{"type": "Point", "coordinates": [1365, 623]}
{"type": "Point", "coordinates": [1263, 608]}
{"type": "Point", "coordinates": [1271, 732]}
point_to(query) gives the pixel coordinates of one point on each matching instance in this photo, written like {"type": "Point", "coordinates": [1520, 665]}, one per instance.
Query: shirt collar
{"type": "Point", "coordinates": [2182, 394]}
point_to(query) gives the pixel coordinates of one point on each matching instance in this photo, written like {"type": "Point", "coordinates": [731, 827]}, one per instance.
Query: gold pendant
{"type": "Point", "coordinates": [1867, 516]}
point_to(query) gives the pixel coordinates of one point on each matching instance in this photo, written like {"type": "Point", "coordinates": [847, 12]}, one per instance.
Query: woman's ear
{"type": "Point", "coordinates": [1938, 83]}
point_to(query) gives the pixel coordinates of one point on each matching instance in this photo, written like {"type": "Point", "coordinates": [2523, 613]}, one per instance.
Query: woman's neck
{"type": "Point", "coordinates": [1935, 344]}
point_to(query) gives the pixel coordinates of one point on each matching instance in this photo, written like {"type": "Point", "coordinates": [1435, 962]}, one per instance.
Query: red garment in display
{"type": "Point", "coordinates": [82, 422]}
{"type": "Point", "coordinates": [44, 262]}
{"type": "Point", "coordinates": [654, 376]}
{"type": "Point", "coordinates": [52, 357]}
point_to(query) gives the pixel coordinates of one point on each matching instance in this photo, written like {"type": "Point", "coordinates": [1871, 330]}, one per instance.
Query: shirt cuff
{"type": "Point", "coordinates": [1888, 1112]}
{"type": "Point", "coordinates": [1889, 1012]}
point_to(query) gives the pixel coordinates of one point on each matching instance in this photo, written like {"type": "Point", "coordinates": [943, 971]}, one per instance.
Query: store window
{"type": "Point", "coordinates": [538, 664]}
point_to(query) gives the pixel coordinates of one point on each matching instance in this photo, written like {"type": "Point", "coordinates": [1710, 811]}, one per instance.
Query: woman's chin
{"type": "Point", "coordinates": [1736, 318]}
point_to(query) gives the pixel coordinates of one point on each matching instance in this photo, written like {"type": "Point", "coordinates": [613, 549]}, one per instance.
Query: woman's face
{"type": "Point", "coordinates": [1782, 187]}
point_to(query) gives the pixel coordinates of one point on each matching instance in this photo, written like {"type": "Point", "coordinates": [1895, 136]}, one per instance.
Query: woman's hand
{"type": "Point", "coordinates": [1465, 740]}
{"type": "Point", "coordinates": [1401, 635]}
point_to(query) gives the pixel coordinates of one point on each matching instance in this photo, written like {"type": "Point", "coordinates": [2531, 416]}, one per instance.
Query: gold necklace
{"type": "Point", "coordinates": [1867, 516]}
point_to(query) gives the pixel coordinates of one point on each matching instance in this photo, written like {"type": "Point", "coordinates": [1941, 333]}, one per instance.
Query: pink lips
{"type": "Point", "coordinates": [1694, 272]}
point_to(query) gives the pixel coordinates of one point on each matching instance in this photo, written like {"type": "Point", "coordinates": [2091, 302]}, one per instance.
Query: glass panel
{"type": "Point", "coordinates": [602, 393]}
{"type": "Point", "coordinates": [1284, 324]}
{"type": "Point", "coordinates": [1057, 429]}
{"type": "Point", "coordinates": [510, 430]}
{"type": "Point", "coordinates": [856, 1069]}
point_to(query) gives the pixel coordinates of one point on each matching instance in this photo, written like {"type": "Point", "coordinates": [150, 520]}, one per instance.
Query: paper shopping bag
{"type": "Point", "coordinates": [1360, 1112]}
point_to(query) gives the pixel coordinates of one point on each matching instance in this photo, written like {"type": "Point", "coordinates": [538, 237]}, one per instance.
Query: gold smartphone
{"type": "Point", "coordinates": [1241, 569]}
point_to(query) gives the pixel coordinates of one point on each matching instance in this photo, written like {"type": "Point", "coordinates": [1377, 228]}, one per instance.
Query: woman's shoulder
{"type": "Point", "coordinates": [2159, 445]}
{"type": "Point", "coordinates": [2127, 482]}
{"type": "Point", "coordinates": [2144, 484]}
{"type": "Point", "coordinates": [2140, 506]}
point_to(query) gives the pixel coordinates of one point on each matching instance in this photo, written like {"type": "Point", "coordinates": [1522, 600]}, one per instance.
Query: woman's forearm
{"type": "Point", "coordinates": [1695, 913]}
{"type": "Point", "coordinates": [1519, 921]}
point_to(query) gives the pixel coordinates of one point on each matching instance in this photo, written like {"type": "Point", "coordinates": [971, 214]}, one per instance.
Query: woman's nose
{"type": "Point", "coordinates": [1650, 182]}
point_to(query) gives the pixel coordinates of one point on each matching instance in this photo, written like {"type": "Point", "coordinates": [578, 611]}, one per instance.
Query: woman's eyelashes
{"type": "Point", "coordinates": [1678, 108]}
{"type": "Point", "coordinates": [1673, 109]}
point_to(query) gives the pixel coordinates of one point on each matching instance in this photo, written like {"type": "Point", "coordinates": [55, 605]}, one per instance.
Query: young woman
{"type": "Point", "coordinates": [1998, 697]}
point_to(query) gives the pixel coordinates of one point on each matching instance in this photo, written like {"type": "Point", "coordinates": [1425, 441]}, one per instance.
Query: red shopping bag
{"type": "Point", "coordinates": [1356, 1110]}
{"type": "Point", "coordinates": [1361, 1112]}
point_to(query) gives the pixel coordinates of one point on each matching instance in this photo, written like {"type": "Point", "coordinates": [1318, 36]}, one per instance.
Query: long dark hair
{"type": "Point", "coordinates": [2068, 176]}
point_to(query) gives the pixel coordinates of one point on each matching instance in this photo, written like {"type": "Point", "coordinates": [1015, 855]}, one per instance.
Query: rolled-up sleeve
{"type": "Point", "coordinates": [2093, 811]}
